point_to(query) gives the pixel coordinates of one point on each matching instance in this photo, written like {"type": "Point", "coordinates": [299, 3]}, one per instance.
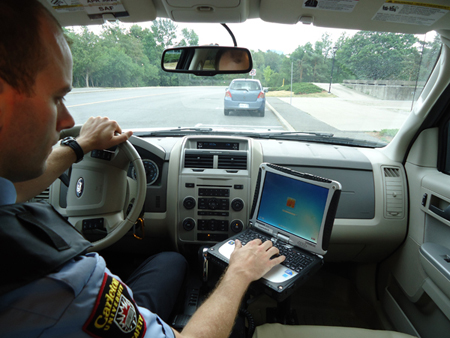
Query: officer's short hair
{"type": "Point", "coordinates": [22, 52]}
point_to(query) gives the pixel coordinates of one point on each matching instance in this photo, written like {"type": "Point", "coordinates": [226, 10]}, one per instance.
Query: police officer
{"type": "Point", "coordinates": [79, 297]}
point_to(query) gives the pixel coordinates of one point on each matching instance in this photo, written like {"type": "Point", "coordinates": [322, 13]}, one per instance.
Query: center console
{"type": "Point", "coordinates": [214, 189]}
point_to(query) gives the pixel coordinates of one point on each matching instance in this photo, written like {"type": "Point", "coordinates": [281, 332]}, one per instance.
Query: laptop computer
{"type": "Point", "coordinates": [296, 212]}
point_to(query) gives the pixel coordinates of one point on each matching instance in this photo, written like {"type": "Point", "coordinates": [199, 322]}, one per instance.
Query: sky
{"type": "Point", "coordinates": [256, 34]}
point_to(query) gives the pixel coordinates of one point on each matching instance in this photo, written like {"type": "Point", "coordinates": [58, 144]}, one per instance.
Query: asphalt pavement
{"type": "Point", "coordinates": [294, 118]}
{"type": "Point", "coordinates": [346, 113]}
{"type": "Point", "coordinates": [349, 110]}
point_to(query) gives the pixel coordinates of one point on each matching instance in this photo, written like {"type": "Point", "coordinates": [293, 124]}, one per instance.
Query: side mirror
{"type": "Point", "coordinates": [207, 60]}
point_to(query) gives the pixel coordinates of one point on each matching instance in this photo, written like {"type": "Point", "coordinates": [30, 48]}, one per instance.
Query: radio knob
{"type": "Point", "coordinates": [189, 203]}
{"type": "Point", "coordinates": [236, 225]}
{"type": "Point", "coordinates": [188, 224]}
{"type": "Point", "coordinates": [237, 204]}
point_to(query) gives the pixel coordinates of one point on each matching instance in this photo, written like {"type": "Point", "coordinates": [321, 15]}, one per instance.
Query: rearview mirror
{"type": "Point", "coordinates": [207, 60]}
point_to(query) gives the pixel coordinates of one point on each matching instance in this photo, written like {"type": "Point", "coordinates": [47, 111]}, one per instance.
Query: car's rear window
{"type": "Point", "coordinates": [249, 85]}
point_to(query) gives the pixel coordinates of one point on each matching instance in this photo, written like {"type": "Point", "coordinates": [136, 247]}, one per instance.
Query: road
{"type": "Point", "coordinates": [155, 107]}
{"type": "Point", "coordinates": [163, 107]}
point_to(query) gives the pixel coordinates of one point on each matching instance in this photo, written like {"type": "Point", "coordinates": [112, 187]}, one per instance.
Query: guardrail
{"type": "Point", "coordinates": [386, 90]}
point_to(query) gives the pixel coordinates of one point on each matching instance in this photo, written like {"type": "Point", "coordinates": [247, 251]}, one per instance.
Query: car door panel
{"type": "Point", "coordinates": [416, 288]}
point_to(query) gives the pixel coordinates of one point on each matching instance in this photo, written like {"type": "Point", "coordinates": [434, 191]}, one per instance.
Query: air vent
{"type": "Point", "coordinates": [45, 195]}
{"type": "Point", "coordinates": [391, 172]}
{"type": "Point", "coordinates": [232, 162]}
{"type": "Point", "coordinates": [394, 193]}
{"type": "Point", "coordinates": [204, 161]}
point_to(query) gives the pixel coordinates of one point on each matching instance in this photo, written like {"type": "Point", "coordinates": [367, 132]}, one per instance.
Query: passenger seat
{"type": "Point", "coordinates": [306, 331]}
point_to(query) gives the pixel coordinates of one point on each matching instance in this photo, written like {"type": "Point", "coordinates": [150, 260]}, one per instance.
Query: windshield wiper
{"type": "Point", "coordinates": [323, 138]}
{"type": "Point", "coordinates": [176, 131]}
{"type": "Point", "coordinates": [195, 129]}
{"type": "Point", "coordinates": [296, 135]}
{"type": "Point", "coordinates": [300, 133]}
{"type": "Point", "coordinates": [316, 137]}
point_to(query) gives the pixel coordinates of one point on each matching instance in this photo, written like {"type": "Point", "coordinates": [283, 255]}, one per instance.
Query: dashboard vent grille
{"type": "Point", "coordinates": [205, 161]}
{"type": "Point", "coordinates": [391, 172]}
{"type": "Point", "coordinates": [394, 193]}
{"type": "Point", "coordinates": [45, 195]}
{"type": "Point", "coordinates": [232, 162]}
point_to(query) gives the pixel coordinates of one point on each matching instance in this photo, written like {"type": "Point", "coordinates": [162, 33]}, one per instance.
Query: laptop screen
{"type": "Point", "coordinates": [293, 206]}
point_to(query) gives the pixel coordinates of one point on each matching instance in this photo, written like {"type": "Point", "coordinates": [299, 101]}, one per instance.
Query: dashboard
{"type": "Point", "coordinates": [200, 190]}
{"type": "Point", "coordinates": [205, 185]}
{"type": "Point", "coordinates": [214, 189]}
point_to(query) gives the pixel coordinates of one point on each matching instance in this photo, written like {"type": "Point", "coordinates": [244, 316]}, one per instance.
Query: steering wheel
{"type": "Point", "coordinates": [100, 193]}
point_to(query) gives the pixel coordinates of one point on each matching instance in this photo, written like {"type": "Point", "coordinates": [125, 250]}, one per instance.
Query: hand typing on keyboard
{"type": "Point", "coordinates": [254, 260]}
{"type": "Point", "coordinates": [294, 259]}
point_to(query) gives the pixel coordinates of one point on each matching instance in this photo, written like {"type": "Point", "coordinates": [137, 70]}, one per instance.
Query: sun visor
{"type": "Point", "coordinates": [219, 11]}
{"type": "Point", "coordinates": [84, 12]}
{"type": "Point", "coordinates": [372, 15]}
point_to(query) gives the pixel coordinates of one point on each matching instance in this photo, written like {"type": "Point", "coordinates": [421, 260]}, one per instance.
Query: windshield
{"type": "Point", "coordinates": [339, 86]}
{"type": "Point", "coordinates": [245, 85]}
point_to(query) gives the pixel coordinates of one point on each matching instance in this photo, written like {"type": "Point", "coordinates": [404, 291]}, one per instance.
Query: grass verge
{"type": "Point", "coordinates": [285, 93]}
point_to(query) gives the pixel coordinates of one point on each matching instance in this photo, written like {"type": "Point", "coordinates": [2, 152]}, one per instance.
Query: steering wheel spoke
{"type": "Point", "coordinates": [100, 224]}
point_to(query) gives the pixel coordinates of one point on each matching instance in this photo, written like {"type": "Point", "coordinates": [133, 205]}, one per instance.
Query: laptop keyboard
{"type": "Point", "coordinates": [295, 259]}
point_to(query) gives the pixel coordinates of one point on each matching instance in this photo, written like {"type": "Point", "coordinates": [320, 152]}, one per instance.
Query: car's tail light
{"type": "Point", "coordinates": [261, 95]}
{"type": "Point", "coordinates": [228, 94]}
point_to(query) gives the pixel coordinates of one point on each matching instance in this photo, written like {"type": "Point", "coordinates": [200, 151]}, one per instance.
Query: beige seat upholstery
{"type": "Point", "coordinates": [300, 331]}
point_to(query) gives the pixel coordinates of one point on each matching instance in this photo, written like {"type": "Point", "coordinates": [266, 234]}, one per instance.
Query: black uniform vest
{"type": "Point", "coordinates": [35, 240]}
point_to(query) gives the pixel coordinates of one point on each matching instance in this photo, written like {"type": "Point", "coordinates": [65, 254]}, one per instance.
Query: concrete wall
{"type": "Point", "coordinates": [386, 90]}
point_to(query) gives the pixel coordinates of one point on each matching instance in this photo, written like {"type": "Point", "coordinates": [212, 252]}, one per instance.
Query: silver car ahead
{"type": "Point", "coordinates": [245, 95]}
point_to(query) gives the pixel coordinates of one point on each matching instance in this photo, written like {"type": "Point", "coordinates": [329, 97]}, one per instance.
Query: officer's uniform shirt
{"type": "Point", "coordinates": [8, 193]}
{"type": "Point", "coordinates": [82, 299]}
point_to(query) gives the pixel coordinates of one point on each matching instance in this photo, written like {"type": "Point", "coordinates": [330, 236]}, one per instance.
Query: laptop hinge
{"type": "Point", "coordinates": [283, 237]}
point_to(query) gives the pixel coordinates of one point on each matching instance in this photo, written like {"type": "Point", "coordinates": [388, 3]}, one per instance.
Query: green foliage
{"type": "Point", "coordinates": [119, 58]}
{"type": "Point", "coordinates": [268, 72]}
{"type": "Point", "coordinates": [381, 56]}
{"type": "Point", "coordinates": [388, 132]}
{"type": "Point", "coordinates": [164, 32]}
{"type": "Point", "coordinates": [131, 57]}
{"type": "Point", "coordinates": [300, 88]}
{"type": "Point", "coordinates": [190, 38]}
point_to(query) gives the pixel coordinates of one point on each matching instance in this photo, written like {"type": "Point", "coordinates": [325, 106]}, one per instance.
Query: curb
{"type": "Point", "coordinates": [286, 125]}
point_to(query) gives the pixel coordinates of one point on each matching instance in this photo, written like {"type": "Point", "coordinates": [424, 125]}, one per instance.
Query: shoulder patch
{"type": "Point", "coordinates": [115, 313]}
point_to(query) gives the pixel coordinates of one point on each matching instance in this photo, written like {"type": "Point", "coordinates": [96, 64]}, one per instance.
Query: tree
{"type": "Point", "coordinates": [302, 58]}
{"type": "Point", "coordinates": [430, 54]}
{"type": "Point", "coordinates": [164, 31]}
{"type": "Point", "coordinates": [85, 53]}
{"type": "Point", "coordinates": [273, 60]}
{"type": "Point", "coordinates": [267, 75]}
{"type": "Point", "coordinates": [258, 59]}
{"type": "Point", "coordinates": [131, 57]}
{"type": "Point", "coordinates": [190, 38]}
{"type": "Point", "coordinates": [377, 55]}
{"type": "Point", "coordinates": [148, 41]}
{"type": "Point", "coordinates": [325, 46]}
